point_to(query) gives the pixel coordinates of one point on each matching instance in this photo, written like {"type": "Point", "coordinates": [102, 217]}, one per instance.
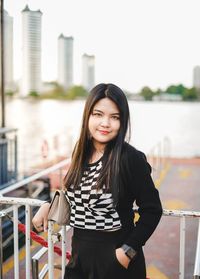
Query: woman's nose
{"type": "Point", "coordinates": [105, 122]}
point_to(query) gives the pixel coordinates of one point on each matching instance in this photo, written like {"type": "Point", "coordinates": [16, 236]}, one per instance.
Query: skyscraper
{"type": "Point", "coordinates": [65, 61]}
{"type": "Point", "coordinates": [196, 77]}
{"type": "Point", "coordinates": [31, 51]}
{"type": "Point", "coordinates": [88, 71]}
{"type": "Point", "coordinates": [8, 52]}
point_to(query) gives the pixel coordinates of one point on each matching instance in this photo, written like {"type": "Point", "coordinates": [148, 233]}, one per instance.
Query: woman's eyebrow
{"type": "Point", "coordinates": [98, 110]}
{"type": "Point", "coordinates": [114, 113]}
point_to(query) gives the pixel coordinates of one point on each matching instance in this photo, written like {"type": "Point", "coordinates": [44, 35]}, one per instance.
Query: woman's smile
{"type": "Point", "coordinates": [103, 132]}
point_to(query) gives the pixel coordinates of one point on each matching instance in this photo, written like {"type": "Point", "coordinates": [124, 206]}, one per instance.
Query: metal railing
{"type": "Point", "coordinates": [15, 203]}
{"type": "Point", "coordinates": [158, 156]}
{"type": "Point", "coordinates": [28, 203]}
{"type": "Point", "coordinates": [36, 176]}
{"type": "Point", "coordinates": [8, 156]}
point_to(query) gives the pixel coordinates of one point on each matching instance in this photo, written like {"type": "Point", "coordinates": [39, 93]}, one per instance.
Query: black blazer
{"type": "Point", "coordinates": [136, 185]}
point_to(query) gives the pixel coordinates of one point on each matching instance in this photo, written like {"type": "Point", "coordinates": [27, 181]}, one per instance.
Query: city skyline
{"type": "Point", "coordinates": [8, 52]}
{"type": "Point", "coordinates": [31, 80]}
{"type": "Point", "coordinates": [65, 75]}
{"type": "Point", "coordinates": [88, 71]}
{"type": "Point", "coordinates": [153, 44]}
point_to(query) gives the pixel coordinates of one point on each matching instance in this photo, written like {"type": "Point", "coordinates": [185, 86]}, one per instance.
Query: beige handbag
{"type": "Point", "coordinates": [60, 209]}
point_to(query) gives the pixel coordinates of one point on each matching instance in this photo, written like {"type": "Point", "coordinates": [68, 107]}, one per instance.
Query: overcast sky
{"type": "Point", "coordinates": [135, 42]}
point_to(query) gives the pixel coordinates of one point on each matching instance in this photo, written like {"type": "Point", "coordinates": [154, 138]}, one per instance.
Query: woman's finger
{"type": "Point", "coordinates": [45, 225]}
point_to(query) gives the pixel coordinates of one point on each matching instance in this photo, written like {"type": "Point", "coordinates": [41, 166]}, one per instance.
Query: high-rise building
{"type": "Point", "coordinates": [8, 52]}
{"type": "Point", "coordinates": [65, 61]}
{"type": "Point", "coordinates": [88, 71]}
{"type": "Point", "coordinates": [31, 51]}
{"type": "Point", "coordinates": [196, 77]}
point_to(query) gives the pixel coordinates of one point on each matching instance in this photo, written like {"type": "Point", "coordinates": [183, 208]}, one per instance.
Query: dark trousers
{"type": "Point", "coordinates": [93, 257]}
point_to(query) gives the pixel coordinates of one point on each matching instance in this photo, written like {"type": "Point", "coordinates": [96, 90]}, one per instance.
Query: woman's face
{"type": "Point", "coordinates": [104, 122]}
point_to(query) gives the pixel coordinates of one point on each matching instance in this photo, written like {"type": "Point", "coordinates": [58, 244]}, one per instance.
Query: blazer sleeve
{"type": "Point", "coordinates": [147, 200]}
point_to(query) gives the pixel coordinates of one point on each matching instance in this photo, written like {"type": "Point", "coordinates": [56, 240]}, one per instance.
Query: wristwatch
{"type": "Point", "coordinates": [129, 251]}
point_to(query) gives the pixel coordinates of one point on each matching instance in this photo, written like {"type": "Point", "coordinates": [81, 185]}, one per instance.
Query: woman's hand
{"type": "Point", "coordinates": [122, 258]}
{"type": "Point", "coordinates": [40, 221]}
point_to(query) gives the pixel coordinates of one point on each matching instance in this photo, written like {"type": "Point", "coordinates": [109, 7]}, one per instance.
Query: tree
{"type": "Point", "coordinates": [33, 94]}
{"type": "Point", "coordinates": [147, 93]}
{"type": "Point", "coordinates": [158, 92]}
{"type": "Point", "coordinates": [76, 91]}
{"type": "Point", "coordinates": [176, 89]}
{"type": "Point", "coordinates": [190, 94]}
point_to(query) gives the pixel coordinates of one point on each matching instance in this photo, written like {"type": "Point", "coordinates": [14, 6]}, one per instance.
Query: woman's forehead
{"type": "Point", "coordinates": [106, 104]}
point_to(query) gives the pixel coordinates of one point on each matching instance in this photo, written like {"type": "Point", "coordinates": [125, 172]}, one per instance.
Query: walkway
{"type": "Point", "coordinates": [179, 189]}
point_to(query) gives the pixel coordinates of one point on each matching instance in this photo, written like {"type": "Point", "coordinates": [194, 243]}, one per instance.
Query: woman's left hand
{"type": "Point", "coordinates": [122, 258]}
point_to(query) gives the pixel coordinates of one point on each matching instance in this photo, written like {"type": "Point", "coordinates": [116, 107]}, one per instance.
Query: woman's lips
{"type": "Point", "coordinates": [103, 132]}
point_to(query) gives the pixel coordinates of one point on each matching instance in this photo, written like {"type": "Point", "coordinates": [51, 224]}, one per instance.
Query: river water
{"type": "Point", "coordinates": [58, 122]}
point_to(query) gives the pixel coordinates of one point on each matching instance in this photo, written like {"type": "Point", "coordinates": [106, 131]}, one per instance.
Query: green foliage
{"type": "Point", "coordinates": [76, 91]}
{"type": "Point", "coordinates": [10, 93]}
{"type": "Point", "coordinates": [58, 92]}
{"type": "Point", "coordinates": [190, 94]}
{"type": "Point", "coordinates": [187, 94]}
{"type": "Point", "coordinates": [147, 93]}
{"type": "Point", "coordinates": [176, 89]}
{"type": "Point", "coordinates": [158, 92]}
{"type": "Point", "coordinates": [33, 94]}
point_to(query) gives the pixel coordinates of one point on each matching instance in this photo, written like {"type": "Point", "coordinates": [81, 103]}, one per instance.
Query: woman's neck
{"type": "Point", "coordinates": [96, 155]}
{"type": "Point", "coordinates": [98, 147]}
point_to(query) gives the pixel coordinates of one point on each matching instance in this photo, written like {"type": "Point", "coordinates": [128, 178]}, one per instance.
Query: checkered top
{"type": "Point", "coordinates": [91, 208]}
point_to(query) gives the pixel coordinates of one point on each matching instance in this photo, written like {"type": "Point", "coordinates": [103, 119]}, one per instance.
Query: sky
{"type": "Point", "coordinates": [136, 43]}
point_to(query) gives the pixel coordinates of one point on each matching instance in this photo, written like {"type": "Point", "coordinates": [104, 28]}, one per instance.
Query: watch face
{"type": "Point", "coordinates": [131, 253]}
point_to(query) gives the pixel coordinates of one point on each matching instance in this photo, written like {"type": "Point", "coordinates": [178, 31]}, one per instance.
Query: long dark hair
{"type": "Point", "coordinates": [109, 175]}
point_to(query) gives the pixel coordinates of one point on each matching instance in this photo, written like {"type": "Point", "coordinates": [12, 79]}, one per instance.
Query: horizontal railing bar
{"type": "Point", "coordinates": [34, 177]}
{"type": "Point", "coordinates": [7, 130]}
{"type": "Point", "coordinates": [8, 210]}
{"type": "Point", "coordinates": [20, 201]}
{"type": "Point", "coordinates": [181, 213]}
{"type": "Point", "coordinates": [39, 253]}
{"type": "Point", "coordinates": [36, 202]}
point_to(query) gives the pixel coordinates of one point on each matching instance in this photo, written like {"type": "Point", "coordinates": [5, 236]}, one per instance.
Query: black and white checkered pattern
{"type": "Point", "coordinates": [92, 208]}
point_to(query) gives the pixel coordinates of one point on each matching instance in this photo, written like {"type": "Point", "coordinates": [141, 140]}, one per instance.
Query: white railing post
{"type": "Point", "coordinates": [16, 245]}
{"type": "Point", "coordinates": [197, 258]}
{"type": "Point", "coordinates": [182, 248]}
{"type": "Point", "coordinates": [28, 242]}
{"type": "Point", "coordinates": [1, 246]}
{"type": "Point", "coordinates": [64, 250]}
{"type": "Point", "coordinates": [50, 250]}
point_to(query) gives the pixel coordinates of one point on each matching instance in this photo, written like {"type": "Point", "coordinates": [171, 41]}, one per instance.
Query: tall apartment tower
{"type": "Point", "coordinates": [88, 71]}
{"type": "Point", "coordinates": [65, 61]}
{"type": "Point", "coordinates": [8, 52]}
{"type": "Point", "coordinates": [31, 51]}
{"type": "Point", "coordinates": [196, 77]}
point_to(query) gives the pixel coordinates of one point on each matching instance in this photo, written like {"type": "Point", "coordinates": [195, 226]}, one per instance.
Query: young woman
{"type": "Point", "coordinates": [105, 178]}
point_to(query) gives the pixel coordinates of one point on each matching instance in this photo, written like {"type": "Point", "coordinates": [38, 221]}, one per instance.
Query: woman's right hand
{"type": "Point", "coordinates": [40, 220]}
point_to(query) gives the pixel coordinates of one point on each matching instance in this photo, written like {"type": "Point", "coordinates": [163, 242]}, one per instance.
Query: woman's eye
{"type": "Point", "coordinates": [97, 114]}
{"type": "Point", "coordinates": [115, 117]}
